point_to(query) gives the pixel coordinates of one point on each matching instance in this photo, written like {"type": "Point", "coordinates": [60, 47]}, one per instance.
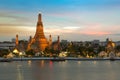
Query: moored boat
{"type": "Point", "coordinates": [5, 60]}
{"type": "Point", "coordinates": [112, 59]}
{"type": "Point", "coordinates": [57, 59]}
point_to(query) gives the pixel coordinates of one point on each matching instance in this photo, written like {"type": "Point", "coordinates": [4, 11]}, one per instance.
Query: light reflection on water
{"type": "Point", "coordinates": [20, 73]}
{"type": "Point", "coordinates": [68, 70]}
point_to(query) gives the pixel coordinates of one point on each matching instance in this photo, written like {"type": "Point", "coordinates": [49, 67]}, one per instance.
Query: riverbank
{"type": "Point", "coordinates": [51, 58]}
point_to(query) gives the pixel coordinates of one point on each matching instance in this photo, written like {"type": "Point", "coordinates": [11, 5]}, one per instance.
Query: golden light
{"type": "Point", "coordinates": [10, 55]}
{"type": "Point", "coordinates": [63, 54]}
{"type": "Point", "coordinates": [15, 51]}
{"type": "Point", "coordinates": [20, 53]}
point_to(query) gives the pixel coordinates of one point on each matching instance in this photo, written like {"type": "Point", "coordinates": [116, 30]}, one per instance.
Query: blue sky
{"type": "Point", "coordinates": [74, 20]}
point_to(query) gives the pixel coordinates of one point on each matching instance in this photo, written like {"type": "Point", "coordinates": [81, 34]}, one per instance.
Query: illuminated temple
{"type": "Point", "coordinates": [110, 45]}
{"type": "Point", "coordinates": [38, 42]}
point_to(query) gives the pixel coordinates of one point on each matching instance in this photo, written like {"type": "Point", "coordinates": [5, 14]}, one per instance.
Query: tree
{"type": "Point", "coordinates": [30, 52]}
{"type": "Point", "coordinates": [101, 48]}
{"type": "Point", "coordinates": [117, 48]}
{"type": "Point", "coordinates": [4, 52]}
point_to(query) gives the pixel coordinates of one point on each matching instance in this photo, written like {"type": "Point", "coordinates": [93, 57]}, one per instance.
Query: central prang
{"type": "Point", "coordinates": [39, 42]}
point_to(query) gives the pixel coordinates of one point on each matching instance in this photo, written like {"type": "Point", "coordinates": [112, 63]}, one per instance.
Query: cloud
{"type": "Point", "coordinates": [21, 30]}
{"type": "Point", "coordinates": [68, 20]}
{"type": "Point", "coordinates": [16, 18]}
{"type": "Point", "coordinates": [115, 34]}
{"type": "Point", "coordinates": [71, 27]}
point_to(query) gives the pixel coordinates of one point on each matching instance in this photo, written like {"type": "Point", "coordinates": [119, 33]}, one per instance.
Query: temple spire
{"type": "Point", "coordinates": [39, 41]}
{"type": "Point", "coordinates": [39, 17]}
{"type": "Point", "coordinates": [50, 40]}
{"type": "Point", "coordinates": [17, 41]}
{"type": "Point", "coordinates": [58, 39]}
{"type": "Point", "coordinates": [39, 23]}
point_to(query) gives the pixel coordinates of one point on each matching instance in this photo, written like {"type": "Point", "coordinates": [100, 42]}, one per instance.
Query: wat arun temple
{"type": "Point", "coordinates": [39, 41]}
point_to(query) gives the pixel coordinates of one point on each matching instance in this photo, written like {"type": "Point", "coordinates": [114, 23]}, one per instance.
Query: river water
{"type": "Point", "coordinates": [68, 70]}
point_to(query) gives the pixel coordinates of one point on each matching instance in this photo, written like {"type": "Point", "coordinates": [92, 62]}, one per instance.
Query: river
{"type": "Point", "coordinates": [68, 70]}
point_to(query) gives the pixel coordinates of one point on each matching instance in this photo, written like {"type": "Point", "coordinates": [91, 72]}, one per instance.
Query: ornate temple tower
{"type": "Point", "coordinates": [16, 41]}
{"type": "Point", "coordinates": [56, 45]}
{"type": "Point", "coordinates": [58, 42]}
{"type": "Point", "coordinates": [38, 42]}
{"type": "Point", "coordinates": [110, 45]}
{"type": "Point", "coordinates": [50, 40]}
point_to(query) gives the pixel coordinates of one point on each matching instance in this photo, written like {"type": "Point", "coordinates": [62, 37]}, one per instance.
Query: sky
{"type": "Point", "coordinates": [72, 20]}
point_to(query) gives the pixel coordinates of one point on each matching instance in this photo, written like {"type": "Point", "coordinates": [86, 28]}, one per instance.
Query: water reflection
{"type": "Point", "coordinates": [29, 63]}
{"type": "Point", "coordinates": [20, 72]}
{"type": "Point", "coordinates": [51, 64]}
{"type": "Point", "coordinates": [42, 63]}
{"type": "Point", "coordinates": [94, 62]}
{"type": "Point", "coordinates": [79, 62]}
{"type": "Point", "coordinates": [68, 70]}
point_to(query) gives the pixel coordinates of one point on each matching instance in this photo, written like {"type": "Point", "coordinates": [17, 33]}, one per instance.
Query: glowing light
{"type": "Point", "coordinates": [15, 51]}
{"type": "Point", "coordinates": [10, 55]}
{"type": "Point", "coordinates": [20, 53]}
{"type": "Point", "coordinates": [63, 54]}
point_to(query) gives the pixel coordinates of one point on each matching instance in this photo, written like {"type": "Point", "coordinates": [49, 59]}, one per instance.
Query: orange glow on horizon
{"type": "Point", "coordinates": [96, 33]}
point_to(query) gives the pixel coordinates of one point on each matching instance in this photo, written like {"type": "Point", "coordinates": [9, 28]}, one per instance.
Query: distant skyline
{"type": "Point", "coordinates": [73, 20]}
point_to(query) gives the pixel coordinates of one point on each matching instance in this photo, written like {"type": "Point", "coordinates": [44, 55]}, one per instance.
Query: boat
{"type": "Point", "coordinates": [112, 59]}
{"type": "Point", "coordinates": [5, 60]}
{"type": "Point", "coordinates": [57, 59]}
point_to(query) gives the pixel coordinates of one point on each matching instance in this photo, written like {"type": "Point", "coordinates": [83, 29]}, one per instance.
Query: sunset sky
{"type": "Point", "coordinates": [74, 20]}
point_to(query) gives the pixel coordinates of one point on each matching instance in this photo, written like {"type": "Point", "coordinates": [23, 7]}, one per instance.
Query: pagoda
{"type": "Point", "coordinates": [38, 42]}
